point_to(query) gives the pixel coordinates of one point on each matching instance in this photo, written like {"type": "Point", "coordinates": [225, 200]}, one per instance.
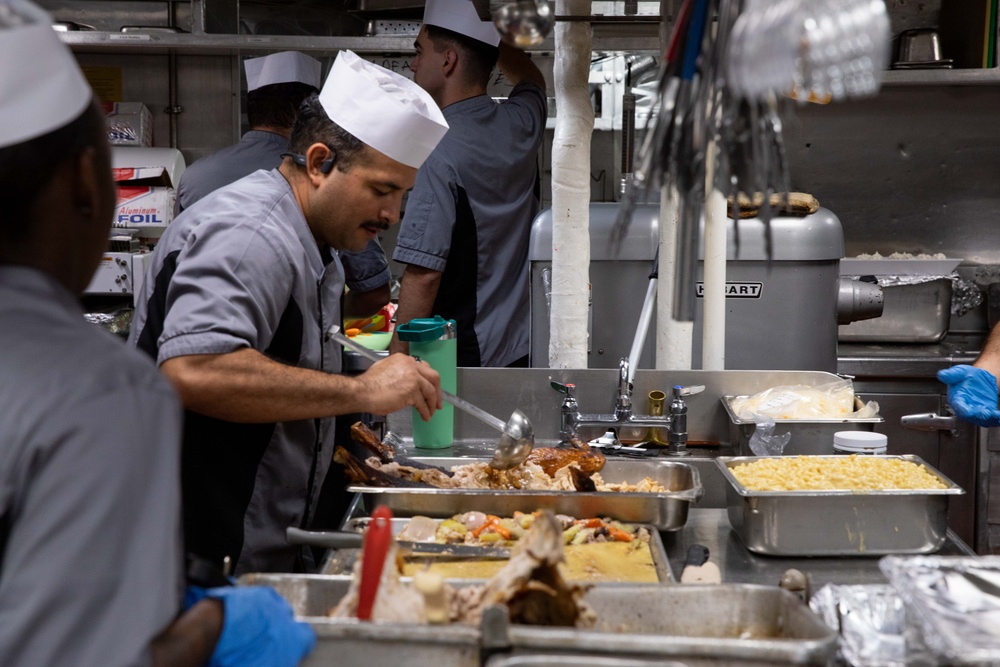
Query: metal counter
{"type": "Point", "coordinates": [905, 360]}
{"type": "Point", "coordinates": [710, 527]}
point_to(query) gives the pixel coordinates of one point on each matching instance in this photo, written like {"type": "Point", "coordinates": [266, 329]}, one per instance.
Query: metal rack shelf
{"type": "Point", "coordinates": [942, 77]}
{"type": "Point", "coordinates": [224, 44]}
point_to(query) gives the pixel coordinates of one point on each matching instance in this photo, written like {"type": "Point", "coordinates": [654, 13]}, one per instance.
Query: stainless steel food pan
{"type": "Point", "coordinates": [809, 436]}
{"type": "Point", "coordinates": [352, 643]}
{"type": "Point", "coordinates": [664, 511]}
{"type": "Point", "coordinates": [340, 565]}
{"type": "Point", "coordinates": [723, 624]}
{"type": "Point", "coordinates": [838, 523]}
{"type": "Point", "coordinates": [919, 313]}
{"type": "Point", "coordinates": [557, 660]}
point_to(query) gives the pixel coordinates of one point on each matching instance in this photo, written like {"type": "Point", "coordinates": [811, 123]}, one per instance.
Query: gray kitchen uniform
{"type": "Point", "coordinates": [365, 269]}
{"type": "Point", "coordinates": [241, 269]}
{"type": "Point", "coordinates": [469, 216]}
{"type": "Point", "coordinates": [90, 533]}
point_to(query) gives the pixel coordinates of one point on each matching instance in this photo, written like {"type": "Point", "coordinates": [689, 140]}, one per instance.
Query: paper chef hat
{"type": "Point", "coordinates": [41, 86]}
{"type": "Point", "coordinates": [460, 16]}
{"type": "Point", "coordinates": [385, 110]}
{"type": "Point", "coordinates": [284, 67]}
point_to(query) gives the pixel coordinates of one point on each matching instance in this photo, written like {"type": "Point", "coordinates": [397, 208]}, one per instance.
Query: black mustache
{"type": "Point", "coordinates": [381, 226]}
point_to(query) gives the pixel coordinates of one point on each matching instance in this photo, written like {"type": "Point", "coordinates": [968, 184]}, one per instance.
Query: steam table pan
{"type": "Point", "coordinates": [697, 625]}
{"type": "Point", "coordinates": [664, 511]}
{"type": "Point", "coordinates": [838, 523]}
{"type": "Point", "coordinates": [341, 563]}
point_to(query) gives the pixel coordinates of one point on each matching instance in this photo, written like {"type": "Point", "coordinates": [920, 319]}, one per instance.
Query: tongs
{"type": "Point", "coordinates": [348, 540]}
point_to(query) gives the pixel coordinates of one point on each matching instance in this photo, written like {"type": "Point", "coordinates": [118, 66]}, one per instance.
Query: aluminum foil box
{"type": "Point", "coordinates": [146, 180]}
{"type": "Point", "coordinates": [128, 123]}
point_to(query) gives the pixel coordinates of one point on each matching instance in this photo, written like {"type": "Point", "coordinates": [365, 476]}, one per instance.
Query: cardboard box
{"type": "Point", "coordinates": [147, 178]}
{"type": "Point", "coordinates": [128, 123]}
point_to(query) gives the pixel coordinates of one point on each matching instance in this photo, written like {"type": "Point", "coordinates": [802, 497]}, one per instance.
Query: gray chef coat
{"type": "Point", "coordinates": [91, 568]}
{"type": "Point", "coordinates": [365, 270]}
{"type": "Point", "coordinates": [469, 216]}
{"type": "Point", "coordinates": [241, 269]}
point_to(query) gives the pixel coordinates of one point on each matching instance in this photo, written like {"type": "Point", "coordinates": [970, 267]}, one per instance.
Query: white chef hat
{"type": "Point", "coordinates": [460, 16]}
{"type": "Point", "coordinates": [385, 110]}
{"type": "Point", "coordinates": [41, 86]}
{"type": "Point", "coordinates": [284, 67]}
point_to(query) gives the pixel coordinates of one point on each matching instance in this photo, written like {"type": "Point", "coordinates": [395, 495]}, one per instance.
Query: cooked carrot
{"type": "Point", "coordinates": [619, 535]}
{"type": "Point", "coordinates": [352, 332]}
{"type": "Point", "coordinates": [491, 520]}
{"type": "Point", "coordinates": [590, 523]}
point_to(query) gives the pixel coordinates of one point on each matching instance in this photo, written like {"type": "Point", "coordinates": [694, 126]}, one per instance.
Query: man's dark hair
{"type": "Point", "coordinates": [276, 105]}
{"type": "Point", "coordinates": [27, 168]}
{"type": "Point", "coordinates": [313, 126]}
{"type": "Point", "coordinates": [479, 57]}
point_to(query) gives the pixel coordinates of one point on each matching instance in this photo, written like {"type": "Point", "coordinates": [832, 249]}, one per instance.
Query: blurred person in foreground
{"type": "Point", "coordinates": [972, 390]}
{"type": "Point", "coordinates": [465, 234]}
{"type": "Point", "coordinates": [241, 293]}
{"type": "Point", "coordinates": [90, 541]}
{"type": "Point", "coordinates": [276, 86]}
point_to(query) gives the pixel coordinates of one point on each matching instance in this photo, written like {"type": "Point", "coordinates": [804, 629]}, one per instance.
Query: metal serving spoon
{"type": "Point", "coordinates": [517, 438]}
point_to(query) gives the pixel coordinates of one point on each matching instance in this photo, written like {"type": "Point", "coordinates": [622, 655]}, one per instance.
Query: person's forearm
{"type": "Point", "coordinates": [989, 358]}
{"type": "Point", "coordinates": [417, 293]}
{"type": "Point", "coordinates": [359, 304]}
{"type": "Point", "coordinates": [190, 640]}
{"type": "Point", "coordinates": [517, 66]}
{"type": "Point", "coordinates": [246, 386]}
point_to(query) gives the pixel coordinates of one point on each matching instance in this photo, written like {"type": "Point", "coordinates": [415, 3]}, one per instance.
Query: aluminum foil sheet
{"type": "Point", "coordinates": [954, 602]}
{"type": "Point", "coordinates": [871, 620]}
{"type": "Point", "coordinates": [118, 322]}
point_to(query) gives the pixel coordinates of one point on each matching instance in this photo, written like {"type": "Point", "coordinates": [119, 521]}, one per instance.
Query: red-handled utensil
{"type": "Point", "coordinates": [378, 538]}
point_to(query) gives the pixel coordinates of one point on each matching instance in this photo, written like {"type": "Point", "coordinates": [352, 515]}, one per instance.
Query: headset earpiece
{"type": "Point", "coordinates": [326, 167]}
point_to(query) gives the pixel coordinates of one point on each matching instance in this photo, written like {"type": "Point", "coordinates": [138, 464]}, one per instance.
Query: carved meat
{"type": "Point", "coordinates": [530, 584]}
{"type": "Point", "coordinates": [370, 472]}
{"type": "Point", "coordinates": [394, 601]}
{"type": "Point", "coordinates": [588, 459]}
{"type": "Point", "coordinates": [365, 437]}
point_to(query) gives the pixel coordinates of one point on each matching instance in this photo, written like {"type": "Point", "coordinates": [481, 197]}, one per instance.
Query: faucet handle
{"type": "Point", "coordinates": [680, 391]}
{"type": "Point", "coordinates": [569, 388]}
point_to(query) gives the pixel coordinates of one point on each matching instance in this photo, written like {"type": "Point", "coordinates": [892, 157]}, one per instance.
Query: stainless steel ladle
{"type": "Point", "coordinates": [517, 437]}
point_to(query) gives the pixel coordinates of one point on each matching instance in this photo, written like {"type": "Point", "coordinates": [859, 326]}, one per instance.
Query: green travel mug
{"type": "Point", "coordinates": [433, 340]}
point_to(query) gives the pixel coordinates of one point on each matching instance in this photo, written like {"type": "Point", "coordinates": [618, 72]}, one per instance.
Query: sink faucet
{"type": "Point", "coordinates": [571, 419]}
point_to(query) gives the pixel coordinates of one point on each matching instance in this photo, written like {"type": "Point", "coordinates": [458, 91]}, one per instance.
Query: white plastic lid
{"type": "Point", "coordinates": [867, 442]}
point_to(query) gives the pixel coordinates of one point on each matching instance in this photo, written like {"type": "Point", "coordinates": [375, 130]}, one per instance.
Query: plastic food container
{"type": "Point", "coordinates": [859, 442]}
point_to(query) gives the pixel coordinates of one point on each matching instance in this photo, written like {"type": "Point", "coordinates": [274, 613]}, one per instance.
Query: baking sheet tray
{"type": "Point", "coordinates": [852, 266]}
{"type": "Point", "coordinates": [809, 436]}
{"type": "Point", "coordinates": [343, 564]}
{"type": "Point", "coordinates": [695, 624]}
{"type": "Point", "coordinates": [838, 523]}
{"type": "Point", "coordinates": [664, 511]}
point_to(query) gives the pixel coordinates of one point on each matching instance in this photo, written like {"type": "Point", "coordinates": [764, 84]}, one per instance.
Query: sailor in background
{"type": "Point", "coordinates": [242, 289]}
{"type": "Point", "coordinates": [276, 86]}
{"type": "Point", "coordinates": [465, 233]}
{"type": "Point", "coordinates": [91, 568]}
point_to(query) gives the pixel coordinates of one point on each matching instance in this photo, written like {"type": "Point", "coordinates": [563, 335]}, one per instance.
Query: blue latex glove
{"type": "Point", "coordinates": [259, 629]}
{"type": "Point", "coordinates": [972, 394]}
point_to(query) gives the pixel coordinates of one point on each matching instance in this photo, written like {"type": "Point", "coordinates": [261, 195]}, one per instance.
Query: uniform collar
{"type": "Point", "coordinates": [298, 223]}
{"type": "Point", "coordinates": [467, 105]}
{"type": "Point", "coordinates": [265, 137]}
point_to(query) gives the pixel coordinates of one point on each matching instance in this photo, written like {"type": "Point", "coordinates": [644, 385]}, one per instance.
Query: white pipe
{"type": "Point", "coordinates": [674, 338]}
{"type": "Point", "coordinates": [568, 340]}
{"type": "Point", "coordinates": [713, 355]}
